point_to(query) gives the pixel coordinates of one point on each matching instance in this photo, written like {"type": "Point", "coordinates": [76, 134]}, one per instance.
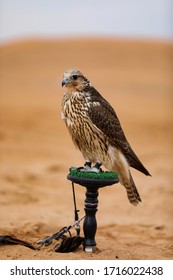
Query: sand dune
{"type": "Point", "coordinates": [36, 150]}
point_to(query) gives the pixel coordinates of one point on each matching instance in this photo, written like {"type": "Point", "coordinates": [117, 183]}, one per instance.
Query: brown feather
{"type": "Point", "coordinates": [104, 118]}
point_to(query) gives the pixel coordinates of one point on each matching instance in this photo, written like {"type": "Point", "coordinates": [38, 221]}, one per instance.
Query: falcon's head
{"type": "Point", "coordinates": [74, 80]}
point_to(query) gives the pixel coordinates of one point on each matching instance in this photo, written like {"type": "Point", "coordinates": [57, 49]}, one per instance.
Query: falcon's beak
{"type": "Point", "coordinates": [65, 81]}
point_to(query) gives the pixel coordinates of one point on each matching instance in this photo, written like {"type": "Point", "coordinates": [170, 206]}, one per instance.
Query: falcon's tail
{"type": "Point", "coordinates": [126, 180]}
{"type": "Point", "coordinates": [121, 166]}
{"type": "Point", "coordinates": [132, 192]}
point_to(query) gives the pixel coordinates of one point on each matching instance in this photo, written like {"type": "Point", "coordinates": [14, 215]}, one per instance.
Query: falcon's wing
{"type": "Point", "coordinates": [105, 119]}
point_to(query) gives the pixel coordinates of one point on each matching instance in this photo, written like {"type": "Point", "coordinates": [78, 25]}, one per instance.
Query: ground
{"type": "Point", "coordinates": [36, 149]}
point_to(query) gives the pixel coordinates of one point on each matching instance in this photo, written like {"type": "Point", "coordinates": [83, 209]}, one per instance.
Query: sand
{"type": "Point", "coordinates": [36, 149]}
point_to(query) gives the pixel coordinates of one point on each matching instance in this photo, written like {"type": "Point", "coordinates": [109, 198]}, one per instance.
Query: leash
{"type": "Point", "coordinates": [76, 216]}
{"type": "Point", "coordinates": [68, 244]}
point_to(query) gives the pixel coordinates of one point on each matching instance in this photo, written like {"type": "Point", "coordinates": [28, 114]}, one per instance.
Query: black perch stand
{"type": "Point", "coordinates": [92, 181]}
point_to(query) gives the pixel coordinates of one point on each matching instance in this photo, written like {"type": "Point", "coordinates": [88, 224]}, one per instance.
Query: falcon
{"type": "Point", "coordinates": [96, 131]}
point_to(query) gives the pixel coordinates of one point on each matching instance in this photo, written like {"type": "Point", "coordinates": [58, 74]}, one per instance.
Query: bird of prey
{"type": "Point", "coordinates": [96, 131]}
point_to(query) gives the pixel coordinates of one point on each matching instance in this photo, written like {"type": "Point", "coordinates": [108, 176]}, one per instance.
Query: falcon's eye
{"type": "Point", "coordinates": [74, 77]}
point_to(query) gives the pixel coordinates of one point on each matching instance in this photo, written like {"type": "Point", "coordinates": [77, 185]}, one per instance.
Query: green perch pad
{"type": "Point", "coordinates": [92, 179]}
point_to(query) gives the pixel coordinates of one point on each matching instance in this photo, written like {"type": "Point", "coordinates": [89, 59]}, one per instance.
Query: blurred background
{"type": "Point", "coordinates": [55, 18]}
{"type": "Point", "coordinates": [125, 49]}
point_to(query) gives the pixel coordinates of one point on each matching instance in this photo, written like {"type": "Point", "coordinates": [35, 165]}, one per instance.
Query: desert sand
{"type": "Point", "coordinates": [37, 151]}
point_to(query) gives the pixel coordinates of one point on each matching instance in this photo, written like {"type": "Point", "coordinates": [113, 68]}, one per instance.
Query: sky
{"type": "Point", "coordinates": [20, 19]}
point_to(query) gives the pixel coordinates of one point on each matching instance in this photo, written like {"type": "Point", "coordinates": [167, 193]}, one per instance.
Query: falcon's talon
{"type": "Point", "coordinates": [92, 169]}
{"type": "Point", "coordinates": [80, 168]}
{"type": "Point", "coordinates": [87, 164]}
{"type": "Point", "coordinates": [95, 169]}
{"type": "Point", "coordinates": [98, 165]}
